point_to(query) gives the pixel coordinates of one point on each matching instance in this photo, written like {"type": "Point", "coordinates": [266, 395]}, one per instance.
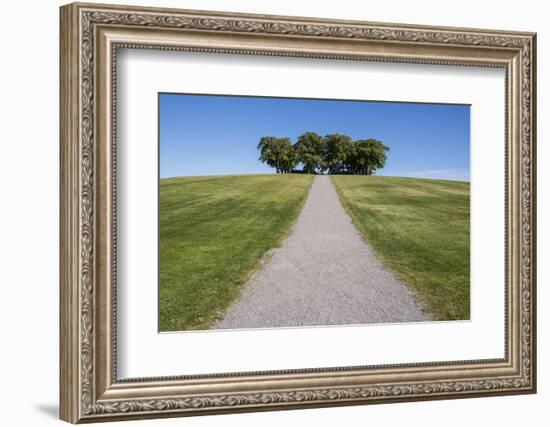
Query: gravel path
{"type": "Point", "coordinates": [323, 274]}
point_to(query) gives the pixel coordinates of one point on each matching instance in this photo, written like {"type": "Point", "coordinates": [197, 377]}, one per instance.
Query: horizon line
{"type": "Point", "coordinates": [317, 174]}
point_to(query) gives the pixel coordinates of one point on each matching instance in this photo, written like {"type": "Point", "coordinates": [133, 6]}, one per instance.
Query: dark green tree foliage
{"type": "Point", "coordinates": [310, 150]}
{"type": "Point", "coordinates": [335, 153]}
{"type": "Point", "coordinates": [279, 153]}
{"type": "Point", "coordinates": [338, 149]}
{"type": "Point", "coordinates": [367, 156]}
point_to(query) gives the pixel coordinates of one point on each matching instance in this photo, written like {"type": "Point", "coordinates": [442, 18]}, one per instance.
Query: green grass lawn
{"type": "Point", "coordinates": [213, 233]}
{"type": "Point", "coordinates": [420, 229]}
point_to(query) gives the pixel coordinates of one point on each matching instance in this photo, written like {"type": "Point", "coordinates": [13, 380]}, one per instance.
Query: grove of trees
{"type": "Point", "coordinates": [334, 154]}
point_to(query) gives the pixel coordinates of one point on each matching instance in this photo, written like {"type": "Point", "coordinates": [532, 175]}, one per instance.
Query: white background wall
{"type": "Point", "coordinates": [29, 171]}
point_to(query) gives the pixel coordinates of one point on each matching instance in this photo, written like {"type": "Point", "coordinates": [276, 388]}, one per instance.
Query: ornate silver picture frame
{"type": "Point", "coordinates": [90, 36]}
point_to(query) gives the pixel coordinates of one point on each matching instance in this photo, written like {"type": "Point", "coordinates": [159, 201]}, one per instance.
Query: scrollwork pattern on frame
{"type": "Point", "coordinates": [335, 394]}
{"type": "Point", "coordinates": [90, 18]}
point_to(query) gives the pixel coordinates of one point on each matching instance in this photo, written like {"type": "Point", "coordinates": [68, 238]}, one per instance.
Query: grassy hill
{"type": "Point", "coordinates": [420, 229]}
{"type": "Point", "coordinates": [213, 233]}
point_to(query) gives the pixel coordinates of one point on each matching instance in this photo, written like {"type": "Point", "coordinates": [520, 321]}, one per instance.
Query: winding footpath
{"type": "Point", "coordinates": [323, 274]}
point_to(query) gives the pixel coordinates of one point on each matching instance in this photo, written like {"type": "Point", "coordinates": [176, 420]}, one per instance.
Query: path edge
{"type": "Point", "coordinates": [423, 304]}
{"type": "Point", "coordinates": [264, 258]}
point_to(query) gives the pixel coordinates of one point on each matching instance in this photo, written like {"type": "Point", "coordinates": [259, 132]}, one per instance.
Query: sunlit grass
{"type": "Point", "coordinates": [213, 233]}
{"type": "Point", "coordinates": [420, 229]}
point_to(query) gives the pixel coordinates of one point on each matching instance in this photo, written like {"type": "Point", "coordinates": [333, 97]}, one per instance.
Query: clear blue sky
{"type": "Point", "coordinates": [218, 135]}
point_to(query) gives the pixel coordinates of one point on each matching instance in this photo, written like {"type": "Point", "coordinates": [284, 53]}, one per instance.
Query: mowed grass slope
{"type": "Point", "coordinates": [213, 233]}
{"type": "Point", "coordinates": [420, 229]}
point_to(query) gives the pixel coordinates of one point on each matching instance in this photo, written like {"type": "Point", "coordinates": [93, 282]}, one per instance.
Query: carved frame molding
{"type": "Point", "coordinates": [90, 37]}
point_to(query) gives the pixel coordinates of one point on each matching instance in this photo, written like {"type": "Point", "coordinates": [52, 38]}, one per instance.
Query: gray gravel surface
{"type": "Point", "coordinates": [323, 274]}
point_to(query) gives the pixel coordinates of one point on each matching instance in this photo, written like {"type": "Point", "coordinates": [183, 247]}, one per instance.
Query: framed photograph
{"type": "Point", "coordinates": [266, 212]}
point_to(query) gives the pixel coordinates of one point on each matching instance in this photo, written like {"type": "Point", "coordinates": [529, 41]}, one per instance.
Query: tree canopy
{"type": "Point", "coordinates": [310, 149]}
{"type": "Point", "coordinates": [367, 156]}
{"type": "Point", "coordinates": [279, 153]}
{"type": "Point", "coordinates": [338, 150]}
{"type": "Point", "coordinates": [334, 153]}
